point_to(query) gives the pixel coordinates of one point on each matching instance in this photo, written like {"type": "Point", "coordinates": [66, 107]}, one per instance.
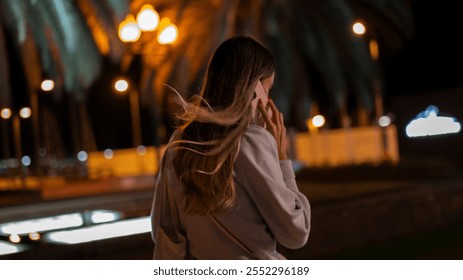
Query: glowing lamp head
{"type": "Point", "coordinates": [5, 113]}
{"type": "Point", "coordinates": [47, 85]}
{"type": "Point", "coordinates": [384, 121]}
{"type": "Point", "coordinates": [168, 33]}
{"type": "Point", "coordinates": [359, 28]}
{"type": "Point", "coordinates": [148, 18]}
{"type": "Point", "coordinates": [25, 112]}
{"type": "Point", "coordinates": [318, 121]}
{"type": "Point", "coordinates": [121, 85]}
{"type": "Point", "coordinates": [129, 31]}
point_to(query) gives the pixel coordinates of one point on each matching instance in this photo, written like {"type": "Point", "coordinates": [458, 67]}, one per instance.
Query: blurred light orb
{"type": "Point", "coordinates": [318, 121]}
{"type": "Point", "coordinates": [384, 121]}
{"type": "Point", "coordinates": [121, 85]}
{"type": "Point", "coordinates": [108, 154]}
{"type": "Point", "coordinates": [5, 113]}
{"type": "Point", "coordinates": [359, 28]}
{"type": "Point", "coordinates": [25, 112]}
{"type": "Point", "coordinates": [47, 85]}
{"type": "Point", "coordinates": [82, 156]}
{"type": "Point", "coordinates": [148, 18]}
{"type": "Point", "coordinates": [374, 49]}
{"type": "Point", "coordinates": [129, 31]}
{"type": "Point", "coordinates": [141, 150]}
{"type": "Point", "coordinates": [26, 160]}
{"type": "Point", "coordinates": [34, 236]}
{"type": "Point", "coordinates": [15, 238]}
{"type": "Point", "coordinates": [168, 35]}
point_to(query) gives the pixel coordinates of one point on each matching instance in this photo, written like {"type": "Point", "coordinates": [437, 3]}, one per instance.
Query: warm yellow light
{"type": "Point", "coordinates": [15, 238]}
{"type": "Point", "coordinates": [121, 85]}
{"type": "Point", "coordinates": [34, 236]}
{"type": "Point", "coordinates": [318, 121]}
{"type": "Point", "coordinates": [148, 18]}
{"type": "Point", "coordinates": [5, 113]}
{"type": "Point", "coordinates": [374, 49]}
{"type": "Point", "coordinates": [25, 112]}
{"type": "Point", "coordinates": [359, 28]}
{"type": "Point", "coordinates": [47, 85]}
{"type": "Point", "coordinates": [168, 33]}
{"type": "Point", "coordinates": [129, 31]}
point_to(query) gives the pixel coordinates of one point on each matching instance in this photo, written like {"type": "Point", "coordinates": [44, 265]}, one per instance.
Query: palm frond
{"type": "Point", "coordinates": [15, 15]}
{"type": "Point", "coordinates": [103, 18]}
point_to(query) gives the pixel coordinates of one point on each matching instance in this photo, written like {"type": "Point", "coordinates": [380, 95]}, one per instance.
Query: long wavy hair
{"type": "Point", "coordinates": [212, 124]}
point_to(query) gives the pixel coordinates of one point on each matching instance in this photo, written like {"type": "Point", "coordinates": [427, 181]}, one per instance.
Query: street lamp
{"type": "Point", "coordinates": [168, 32]}
{"type": "Point", "coordinates": [129, 31]}
{"type": "Point", "coordinates": [47, 85]}
{"type": "Point", "coordinates": [315, 123]}
{"type": "Point", "coordinates": [318, 121]}
{"type": "Point", "coordinates": [24, 113]}
{"type": "Point", "coordinates": [148, 18]}
{"type": "Point", "coordinates": [5, 114]}
{"type": "Point", "coordinates": [359, 28]}
{"type": "Point", "coordinates": [122, 86]}
{"type": "Point", "coordinates": [140, 35]}
{"type": "Point", "coordinates": [381, 120]}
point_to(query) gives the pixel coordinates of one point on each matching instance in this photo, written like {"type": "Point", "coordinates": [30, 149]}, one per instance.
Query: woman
{"type": "Point", "coordinates": [226, 189]}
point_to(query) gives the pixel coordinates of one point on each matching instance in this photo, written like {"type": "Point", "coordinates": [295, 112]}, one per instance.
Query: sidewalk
{"type": "Point", "coordinates": [363, 211]}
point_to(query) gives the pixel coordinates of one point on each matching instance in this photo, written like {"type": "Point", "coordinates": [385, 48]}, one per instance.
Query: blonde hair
{"type": "Point", "coordinates": [213, 123]}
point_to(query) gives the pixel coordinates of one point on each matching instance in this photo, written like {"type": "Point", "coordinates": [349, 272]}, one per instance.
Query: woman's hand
{"type": "Point", "coordinates": [276, 126]}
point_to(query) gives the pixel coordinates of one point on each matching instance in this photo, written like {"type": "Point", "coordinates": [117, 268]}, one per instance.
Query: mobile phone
{"type": "Point", "coordinates": [260, 95]}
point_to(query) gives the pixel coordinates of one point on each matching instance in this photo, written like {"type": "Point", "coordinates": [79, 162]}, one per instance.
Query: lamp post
{"type": "Point", "coordinates": [24, 113]}
{"type": "Point", "coordinates": [122, 86]}
{"type": "Point", "coordinates": [360, 29]}
{"type": "Point", "coordinates": [5, 114]}
{"type": "Point", "coordinates": [137, 32]}
{"type": "Point", "coordinates": [373, 47]}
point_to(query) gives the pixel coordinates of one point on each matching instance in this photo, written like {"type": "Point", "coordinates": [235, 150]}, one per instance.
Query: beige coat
{"type": "Point", "coordinates": [269, 209]}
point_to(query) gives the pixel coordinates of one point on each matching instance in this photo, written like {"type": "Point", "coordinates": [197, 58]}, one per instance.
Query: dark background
{"type": "Point", "coordinates": [432, 59]}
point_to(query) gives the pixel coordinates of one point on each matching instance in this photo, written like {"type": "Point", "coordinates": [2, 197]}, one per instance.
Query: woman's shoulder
{"type": "Point", "coordinates": [256, 140]}
{"type": "Point", "coordinates": [258, 131]}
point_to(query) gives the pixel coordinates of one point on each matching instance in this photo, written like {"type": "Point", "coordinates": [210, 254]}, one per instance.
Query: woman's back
{"type": "Point", "coordinates": [269, 208]}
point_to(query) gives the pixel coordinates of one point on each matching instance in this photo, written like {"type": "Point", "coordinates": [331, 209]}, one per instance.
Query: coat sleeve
{"type": "Point", "coordinates": [271, 183]}
{"type": "Point", "coordinates": [170, 240]}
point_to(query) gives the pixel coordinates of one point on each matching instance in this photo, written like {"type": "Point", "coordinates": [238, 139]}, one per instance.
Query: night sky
{"type": "Point", "coordinates": [427, 71]}
{"type": "Point", "coordinates": [433, 58]}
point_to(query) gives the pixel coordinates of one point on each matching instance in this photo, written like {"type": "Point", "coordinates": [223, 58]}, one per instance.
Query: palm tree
{"type": "Point", "coordinates": [63, 41]}
{"type": "Point", "coordinates": [319, 60]}
{"type": "Point", "coordinates": [321, 65]}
